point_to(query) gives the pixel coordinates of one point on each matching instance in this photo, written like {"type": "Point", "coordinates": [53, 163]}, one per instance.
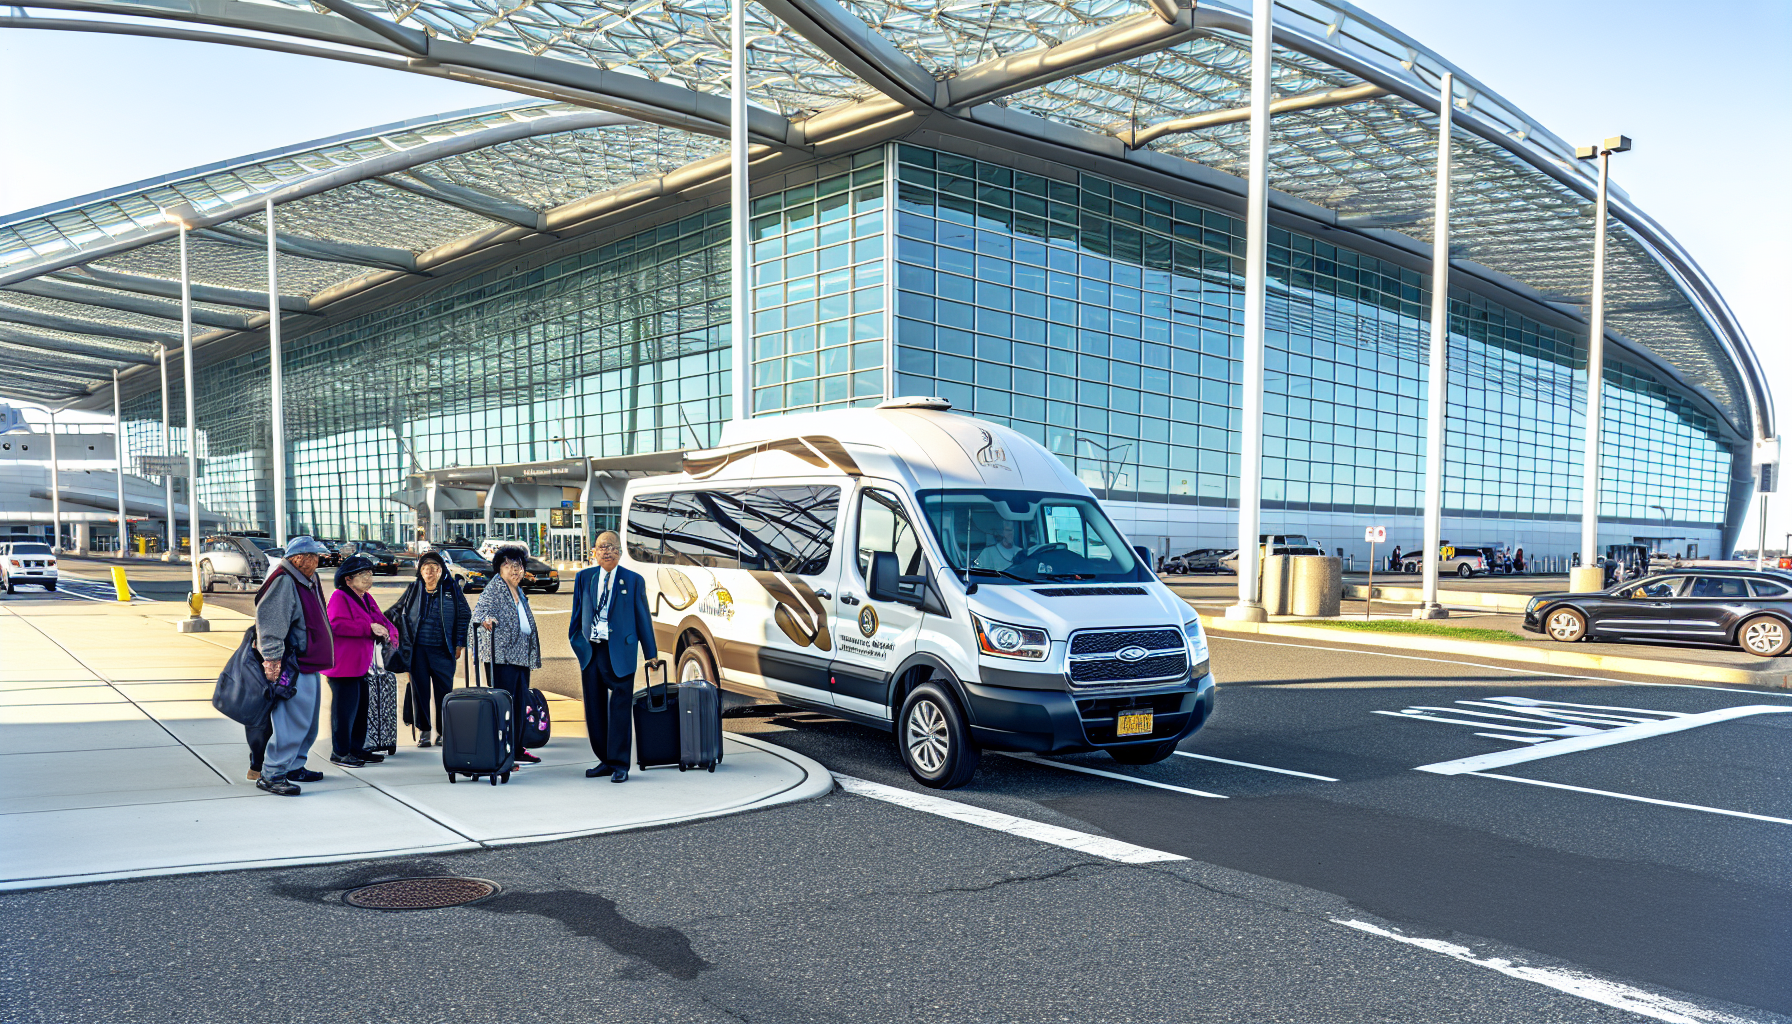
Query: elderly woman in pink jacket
{"type": "Point", "coordinates": [357, 625]}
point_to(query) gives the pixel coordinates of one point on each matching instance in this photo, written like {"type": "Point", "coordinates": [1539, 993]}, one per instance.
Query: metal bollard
{"type": "Point", "coordinates": [120, 584]}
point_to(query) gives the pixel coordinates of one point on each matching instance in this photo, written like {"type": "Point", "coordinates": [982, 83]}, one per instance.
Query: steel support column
{"type": "Point", "coordinates": [124, 526]}
{"type": "Point", "coordinates": [195, 623]}
{"type": "Point", "coordinates": [1250, 468]}
{"type": "Point", "coordinates": [1435, 391]}
{"type": "Point", "coordinates": [276, 384]}
{"type": "Point", "coordinates": [170, 524]}
{"type": "Point", "coordinates": [55, 491]}
{"type": "Point", "coordinates": [740, 196]}
{"type": "Point", "coordinates": [1589, 479]}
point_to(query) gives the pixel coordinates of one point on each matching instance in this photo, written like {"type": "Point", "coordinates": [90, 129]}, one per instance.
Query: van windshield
{"type": "Point", "coordinates": [1027, 536]}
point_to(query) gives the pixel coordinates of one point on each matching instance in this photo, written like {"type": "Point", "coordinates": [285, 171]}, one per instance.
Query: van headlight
{"type": "Point", "coordinates": [1003, 640]}
{"type": "Point", "coordinates": [1196, 638]}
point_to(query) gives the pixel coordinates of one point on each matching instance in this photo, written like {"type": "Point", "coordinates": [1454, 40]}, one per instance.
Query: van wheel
{"type": "Point", "coordinates": [936, 745]}
{"type": "Point", "coordinates": [1765, 636]}
{"type": "Point", "coordinates": [1144, 754]}
{"type": "Point", "coordinates": [1464, 571]}
{"type": "Point", "coordinates": [696, 663]}
{"type": "Point", "coordinates": [207, 580]}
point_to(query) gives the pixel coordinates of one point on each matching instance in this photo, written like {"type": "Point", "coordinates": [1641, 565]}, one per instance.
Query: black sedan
{"type": "Point", "coordinates": [385, 562]}
{"type": "Point", "coordinates": [538, 575]}
{"type": "Point", "coordinates": [1751, 610]}
{"type": "Point", "coordinates": [468, 569]}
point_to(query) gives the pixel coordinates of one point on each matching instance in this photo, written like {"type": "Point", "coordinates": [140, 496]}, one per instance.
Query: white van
{"type": "Point", "coordinates": [919, 571]}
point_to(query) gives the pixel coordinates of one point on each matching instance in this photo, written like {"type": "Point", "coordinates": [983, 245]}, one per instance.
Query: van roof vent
{"type": "Point", "coordinates": [1090, 591]}
{"type": "Point", "coordinates": [916, 402]}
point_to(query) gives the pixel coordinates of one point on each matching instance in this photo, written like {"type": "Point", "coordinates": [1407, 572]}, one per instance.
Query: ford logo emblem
{"type": "Point", "coordinates": [1134, 653]}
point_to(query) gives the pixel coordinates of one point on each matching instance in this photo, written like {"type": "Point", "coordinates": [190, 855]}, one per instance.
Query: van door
{"type": "Point", "coordinates": [874, 636]}
{"type": "Point", "coordinates": [787, 553]}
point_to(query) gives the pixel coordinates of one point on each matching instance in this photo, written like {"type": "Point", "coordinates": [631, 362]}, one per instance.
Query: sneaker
{"type": "Point", "coordinates": [347, 761]}
{"type": "Point", "coordinates": [277, 786]}
{"type": "Point", "coordinates": [423, 741]}
{"type": "Point", "coordinates": [524, 757]}
{"type": "Point", "coordinates": [304, 775]}
{"type": "Point", "coordinates": [369, 756]}
{"type": "Point", "coordinates": [254, 774]}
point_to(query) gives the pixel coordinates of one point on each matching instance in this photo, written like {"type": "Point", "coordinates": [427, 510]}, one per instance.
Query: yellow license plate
{"type": "Point", "coordinates": [1133, 723]}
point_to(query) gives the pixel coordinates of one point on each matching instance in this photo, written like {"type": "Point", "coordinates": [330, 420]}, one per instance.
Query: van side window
{"type": "Point", "coordinates": [884, 526]}
{"type": "Point", "coordinates": [694, 537]}
{"type": "Point", "coordinates": [786, 529]}
{"type": "Point", "coordinates": [647, 526]}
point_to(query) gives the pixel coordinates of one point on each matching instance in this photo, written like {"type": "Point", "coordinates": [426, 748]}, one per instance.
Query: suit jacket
{"type": "Point", "coordinates": [631, 624]}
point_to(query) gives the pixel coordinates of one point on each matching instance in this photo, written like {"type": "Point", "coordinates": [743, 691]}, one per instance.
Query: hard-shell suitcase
{"type": "Point", "coordinates": [656, 722]}
{"type": "Point", "coordinates": [538, 728]}
{"type": "Point", "coordinates": [699, 725]}
{"type": "Point", "coordinates": [382, 705]}
{"type": "Point", "coordinates": [476, 731]}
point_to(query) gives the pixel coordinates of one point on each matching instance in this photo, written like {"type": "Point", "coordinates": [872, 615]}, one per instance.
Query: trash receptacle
{"type": "Point", "coordinates": [1316, 585]}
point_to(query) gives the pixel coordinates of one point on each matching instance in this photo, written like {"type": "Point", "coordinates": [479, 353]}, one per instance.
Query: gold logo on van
{"type": "Point", "coordinates": [992, 454]}
{"type": "Point", "coordinates": [868, 621]}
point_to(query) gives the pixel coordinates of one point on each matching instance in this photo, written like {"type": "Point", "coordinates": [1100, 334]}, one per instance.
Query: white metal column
{"type": "Point", "coordinates": [1250, 468]}
{"type": "Point", "coordinates": [124, 525]}
{"type": "Point", "coordinates": [276, 386]}
{"type": "Point", "coordinates": [1436, 395]}
{"type": "Point", "coordinates": [1589, 480]}
{"type": "Point", "coordinates": [55, 491]}
{"type": "Point", "coordinates": [195, 623]}
{"type": "Point", "coordinates": [739, 195]}
{"type": "Point", "coordinates": [167, 450]}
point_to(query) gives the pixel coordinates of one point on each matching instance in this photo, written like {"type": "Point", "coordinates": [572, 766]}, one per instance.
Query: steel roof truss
{"type": "Point", "coordinates": [1111, 44]}
{"type": "Point", "coordinates": [166, 289]}
{"type": "Point", "coordinates": [858, 48]}
{"type": "Point", "coordinates": [74, 348]}
{"type": "Point", "coordinates": [1235, 115]}
{"type": "Point", "coordinates": [106, 298]}
{"type": "Point", "coordinates": [75, 325]}
{"type": "Point", "coordinates": [499, 208]}
{"type": "Point", "coordinates": [379, 257]}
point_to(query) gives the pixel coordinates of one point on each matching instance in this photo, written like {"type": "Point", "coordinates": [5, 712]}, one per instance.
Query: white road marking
{"type": "Point", "coordinates": [1039, 831]}
{"type": "Point", "coordinates": [1629, 796]}
{"type": "Point", "coordinates": [1031, 759]}
{"type": "Point", "coordinates": [1598, 990]}
{"type": "Point", "coordinates": [1259, 767]}
{"type": "Point", "coordinates": [1574, 744]}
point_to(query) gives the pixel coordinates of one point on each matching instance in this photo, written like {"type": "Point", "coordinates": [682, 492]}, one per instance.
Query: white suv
{"type": "Point", "coordinates": [24, 562]}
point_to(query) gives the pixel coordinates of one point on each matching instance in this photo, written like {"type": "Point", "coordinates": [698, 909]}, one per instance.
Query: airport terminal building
{"type": "Point", "coordinates": [492, 318]}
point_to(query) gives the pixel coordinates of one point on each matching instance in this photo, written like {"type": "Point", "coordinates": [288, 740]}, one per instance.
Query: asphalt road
{"type": "Point", "coordinates": [1660, 863]}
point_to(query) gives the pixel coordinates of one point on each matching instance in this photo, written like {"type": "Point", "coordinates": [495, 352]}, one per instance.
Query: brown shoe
{"type": "Point", "coordinates": [254, 776]}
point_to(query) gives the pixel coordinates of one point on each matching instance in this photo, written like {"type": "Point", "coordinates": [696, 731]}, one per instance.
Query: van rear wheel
{"type": "Point", "coordinates": [695, 663]}
{"type": "Point", "coordinates": [934, 740]}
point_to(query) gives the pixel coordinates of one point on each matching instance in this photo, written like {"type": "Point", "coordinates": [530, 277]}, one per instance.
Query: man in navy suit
{"type": "Point", "coordinates": [611, 627]}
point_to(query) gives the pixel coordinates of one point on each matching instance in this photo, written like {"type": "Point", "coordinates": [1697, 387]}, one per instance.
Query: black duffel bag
{"type": "Point", "coordinates": [243, 693]}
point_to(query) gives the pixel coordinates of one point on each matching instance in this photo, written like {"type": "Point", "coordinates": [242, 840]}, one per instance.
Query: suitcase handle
{"type": "Point", "coordinates": [665, 682]}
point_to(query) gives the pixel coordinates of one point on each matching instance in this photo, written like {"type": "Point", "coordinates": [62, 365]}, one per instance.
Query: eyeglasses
{"type": "Point", "coordinates": [608, 547]}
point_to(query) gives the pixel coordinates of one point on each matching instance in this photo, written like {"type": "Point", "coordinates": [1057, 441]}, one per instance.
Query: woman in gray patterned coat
{"type": "Point", "coordinates": [503, 635]}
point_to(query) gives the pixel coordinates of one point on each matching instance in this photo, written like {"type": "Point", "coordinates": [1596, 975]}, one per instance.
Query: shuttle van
{"type": "Point", "coordinates": [921, 572]}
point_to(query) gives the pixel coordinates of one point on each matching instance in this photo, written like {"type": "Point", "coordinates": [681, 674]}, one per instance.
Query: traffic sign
{"type": "Point", "coordinates": [1376, 535]}
{"type": "Point", "coordinates": [162, 465]}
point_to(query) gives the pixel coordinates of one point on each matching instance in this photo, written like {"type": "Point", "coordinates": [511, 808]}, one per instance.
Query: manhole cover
{"type": "Point", "coordinates": [421, 893]}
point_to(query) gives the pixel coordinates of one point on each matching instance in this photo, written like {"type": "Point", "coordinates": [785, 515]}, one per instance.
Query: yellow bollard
{"type": "Point", "coordinates": [120, 584]}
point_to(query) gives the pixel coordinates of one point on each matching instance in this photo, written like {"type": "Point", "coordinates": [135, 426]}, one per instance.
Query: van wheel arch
{"type": "Point", "coordinates": [918, 669]}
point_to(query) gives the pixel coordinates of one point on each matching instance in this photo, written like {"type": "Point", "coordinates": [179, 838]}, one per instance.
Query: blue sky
{"type": "Point", "coordinates": [1697, 86]}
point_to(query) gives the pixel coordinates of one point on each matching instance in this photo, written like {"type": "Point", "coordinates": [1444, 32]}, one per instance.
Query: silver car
{"type": "Point", "coordinates": [240, 561]}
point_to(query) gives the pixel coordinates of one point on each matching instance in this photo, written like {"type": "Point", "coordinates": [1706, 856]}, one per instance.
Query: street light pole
{"type": "Point", "coordinates": [739, 195]}
{"type": "Point", "coordinates": [118, 454]}
{"type": "Point", "coordinates": [1590, 577]}
{"type": "Point", "coordinates": [184, 215]}
{"type": "Point", "coordinates": [167, 450]}
{"type": "Point", "coordinates": [1435, 396]}
{"type": "Point", "coordinates": [55, 491]}
{"type": "Point", "coordinates": [1250, 468]}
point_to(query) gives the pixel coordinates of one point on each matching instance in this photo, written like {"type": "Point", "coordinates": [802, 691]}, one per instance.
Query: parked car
{"type": "Point", "coordinates": [1198, 560]}
{"type": "Point", "coordinates": [1752, 610]}
{"type": "Point", "coordinates": [465, 565]}
{"type": "Point", "coordinates": [27, 562]}
{"type": "Point", "coordinates": [538, 575]}
{"type": "Point", "coordinates": [238, 561]}
{"type": "Point", "coordinates": [1230, 561]}
{"type": "Point", "coordinates": [1463, 560]}
{"type": "Point", "coordinates": [385, 561]}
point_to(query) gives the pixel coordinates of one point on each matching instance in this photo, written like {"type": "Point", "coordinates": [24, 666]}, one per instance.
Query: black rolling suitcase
{"type": "Point", "coordinates": [699, 725]}
{"type": "Point", "coordinates": [656, 722]}
{"type": "Point", "coordinates": [476, 730]}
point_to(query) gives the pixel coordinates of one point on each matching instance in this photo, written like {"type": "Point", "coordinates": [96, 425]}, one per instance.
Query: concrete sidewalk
{"type": "Point", "coordinates": [114, 765]}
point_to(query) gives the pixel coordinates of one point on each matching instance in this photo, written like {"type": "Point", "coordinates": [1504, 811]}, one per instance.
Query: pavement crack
{"type": "Point", "coordinates": [664, 948]}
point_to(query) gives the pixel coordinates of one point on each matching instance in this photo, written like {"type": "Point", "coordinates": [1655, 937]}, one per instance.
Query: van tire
{"type": "Point", "coordinates": [207, 579]}
{"type": "Point", "coordinates": [1464, 571]}
{"type": "Point", "coordinates": [1151, 754]}
{"type": "Point", "coordinates": [698, 655]}
{"type": "Point", "coordinates": [933, 739]}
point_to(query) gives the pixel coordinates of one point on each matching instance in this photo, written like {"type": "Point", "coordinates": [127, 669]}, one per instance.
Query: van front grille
{"type": "Point", "coordinates": [1107, 641]}
{"type": "Point", "coordinates": [1154, 656]}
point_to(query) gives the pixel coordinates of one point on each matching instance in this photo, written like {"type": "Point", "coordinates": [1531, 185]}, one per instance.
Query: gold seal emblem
{"type": "Point", "coordinates": [868, 621]}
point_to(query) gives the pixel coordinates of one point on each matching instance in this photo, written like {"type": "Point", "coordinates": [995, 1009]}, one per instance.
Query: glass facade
{"type": "Point", "coordinates": [1106, 322]}
{"type": "Point", "coordinates": [1102, 320]}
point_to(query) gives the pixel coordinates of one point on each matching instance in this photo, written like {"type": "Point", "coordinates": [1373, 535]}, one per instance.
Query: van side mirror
{"type": "Point", "coordinates": [885, 571]}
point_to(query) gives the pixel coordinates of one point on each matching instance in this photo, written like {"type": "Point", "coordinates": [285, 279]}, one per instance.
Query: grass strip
{"type": "Point", "coordinates": [1410, 627]}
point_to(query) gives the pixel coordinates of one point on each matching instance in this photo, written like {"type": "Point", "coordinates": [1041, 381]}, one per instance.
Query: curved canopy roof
{"type": "Point", "coordinates": [633, 106]}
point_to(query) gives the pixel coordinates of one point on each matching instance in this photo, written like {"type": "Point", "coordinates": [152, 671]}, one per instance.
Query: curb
{"type": "Point", "coordinates": [816, 782]}
{"type": "Point", "coordinates": [1505, 652]}
{"type": "Point", "coordinates": [1490, 599]}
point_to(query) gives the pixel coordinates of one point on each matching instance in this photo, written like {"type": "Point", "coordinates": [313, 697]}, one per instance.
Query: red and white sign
{"type": "Point", "coordinates": [1376, 535]}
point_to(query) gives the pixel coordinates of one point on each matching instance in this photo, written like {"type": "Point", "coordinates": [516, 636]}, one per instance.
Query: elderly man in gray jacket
{"type": "Point", "coordinates": [291, 625]}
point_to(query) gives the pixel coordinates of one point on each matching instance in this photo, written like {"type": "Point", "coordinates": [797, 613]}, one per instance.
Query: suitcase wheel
{"type": "Point", "coordinates": [493, 779]}
{"type": "Point", "coordinates": [712, 769]}
{"type": "Point", "coordinates": [452, 778]}
{"type": "Point", "coordinates": [683, 767]}
{"type": "Point", "coordinates": [506, 778]}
